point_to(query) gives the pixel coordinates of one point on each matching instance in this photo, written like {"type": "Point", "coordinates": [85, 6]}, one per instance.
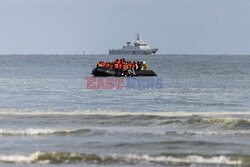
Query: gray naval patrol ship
{"type": "Point", "coordinates": [139, 47]}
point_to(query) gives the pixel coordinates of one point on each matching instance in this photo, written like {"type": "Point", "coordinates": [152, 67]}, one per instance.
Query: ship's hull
{"type": "Point", "coordinates": [132, 52]}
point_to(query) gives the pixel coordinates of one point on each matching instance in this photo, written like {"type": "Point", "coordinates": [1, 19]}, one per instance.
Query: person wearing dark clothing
{"type": "Point", "coordinates": [138, 65]}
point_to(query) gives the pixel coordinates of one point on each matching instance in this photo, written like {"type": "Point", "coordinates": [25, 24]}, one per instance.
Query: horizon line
{"type": "Point", "coordinates": [162, 54]}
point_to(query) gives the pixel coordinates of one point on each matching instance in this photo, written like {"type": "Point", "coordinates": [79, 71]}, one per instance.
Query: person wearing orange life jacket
{"type": "Point", "coordinates": [111, 66]}
{"type": "Point", "coordinates": [99, 64]}
{"type": "Point", "coordinates": [116, 65]}
{"type": "Point", "coordinates": [129, 66]}
{"type": "Point", "coordinates": [120, 66]}
{"type": "Point", "coordinates": [133, 67]}
{"type": "Point", "coordinates": [124, 67]}
{"type": "Point", "coordinates": [103, 64]}
{"type": "Point", "coordinates": [107, 65]}
{"type": "Point", "coordinates": [127, 70]}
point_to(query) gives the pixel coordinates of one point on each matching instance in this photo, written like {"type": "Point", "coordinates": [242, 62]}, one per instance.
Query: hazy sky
{"type": "Point", "coordinates": [95, 26]}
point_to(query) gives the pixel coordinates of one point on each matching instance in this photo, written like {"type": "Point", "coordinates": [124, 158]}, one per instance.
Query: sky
{"type": "Point", "coordinates": [95, 26]}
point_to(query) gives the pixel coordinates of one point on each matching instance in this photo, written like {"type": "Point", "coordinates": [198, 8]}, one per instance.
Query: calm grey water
{"type": "Point", "coordinates": [201, 116]}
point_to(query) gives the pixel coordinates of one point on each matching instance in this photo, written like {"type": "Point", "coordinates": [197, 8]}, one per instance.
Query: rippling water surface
{"type": "Point", "coordinates": [201, 116]}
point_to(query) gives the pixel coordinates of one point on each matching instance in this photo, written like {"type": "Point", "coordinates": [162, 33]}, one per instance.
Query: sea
{"type": "Point", "coordinates": [197, 116]}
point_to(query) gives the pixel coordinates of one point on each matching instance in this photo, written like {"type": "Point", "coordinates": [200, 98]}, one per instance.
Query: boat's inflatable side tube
{"type": "Point", "coordinates": [145, 73]}
{"type": "Point", "coordinates": [102, 71]}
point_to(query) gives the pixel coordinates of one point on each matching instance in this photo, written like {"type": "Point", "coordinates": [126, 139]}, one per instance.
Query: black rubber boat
{"type": "Point", "coordinates": [104, 72]}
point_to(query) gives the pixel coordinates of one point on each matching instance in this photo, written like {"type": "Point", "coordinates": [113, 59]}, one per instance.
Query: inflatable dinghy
{"type": "Point", "coordinates": [104, 72]}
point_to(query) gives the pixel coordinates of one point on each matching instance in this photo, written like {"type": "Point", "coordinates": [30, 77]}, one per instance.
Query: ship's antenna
{"type": "Point", "coordinates": [138, 37]}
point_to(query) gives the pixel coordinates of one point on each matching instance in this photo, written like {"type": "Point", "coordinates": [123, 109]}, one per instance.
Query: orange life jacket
{"type": "Point", "coordinates": [120, 66]}
{"type": "Point", "coordinates": [116, 65]}
{"type": "Point", "coordinates": [99, 64]}
{"type": "Point", "coordinates": [124, 66]}
{"type": "Point", "coordinates": [129, 66]}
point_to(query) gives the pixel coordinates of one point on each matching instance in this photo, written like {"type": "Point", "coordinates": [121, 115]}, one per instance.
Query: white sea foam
{"type": "Point", "coordinates": [32, 131]}
{"type": "Point", "coordinates": [117, 113]}
{"type": "Point", "coordinates": [54, 157]}
{"type": "Point", "coordinates": [220, 120]}
{"type": "Point", "coordinates": [186, 159]}
{"type": "Point", "coordinates": [215, 133]}
{"type": "Point", "coordinates": [22, 159]}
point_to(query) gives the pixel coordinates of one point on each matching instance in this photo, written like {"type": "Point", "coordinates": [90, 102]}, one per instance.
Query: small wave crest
{"type": "Point", "coordinates": [38, 132]}
{"type": "Point", "coordinates": [216, 133]}
{"type": "Point", "coordinates": [242, 125]}
{"type": "Point", "coordinates": [60, 158]}
{"type": "Point", "coordinates": [227, 123]}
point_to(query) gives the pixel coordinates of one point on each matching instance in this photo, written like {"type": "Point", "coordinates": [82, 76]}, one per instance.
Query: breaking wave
{"type": "Point", "coordinates": [225, 123]}
{"type": "Point", "coordinates": [62, 158]}
{"type": "Point", "coordinates": [242, 125]}
{"type": "Point", "coordinates": [38, 132]}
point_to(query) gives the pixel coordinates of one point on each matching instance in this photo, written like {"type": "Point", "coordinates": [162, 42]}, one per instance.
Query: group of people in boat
{"type": "Point", "coordinates": [123, 66]}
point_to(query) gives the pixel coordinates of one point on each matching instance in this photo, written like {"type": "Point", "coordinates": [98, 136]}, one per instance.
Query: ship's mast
{"type": "Point", "coordinates": [138, 37]}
